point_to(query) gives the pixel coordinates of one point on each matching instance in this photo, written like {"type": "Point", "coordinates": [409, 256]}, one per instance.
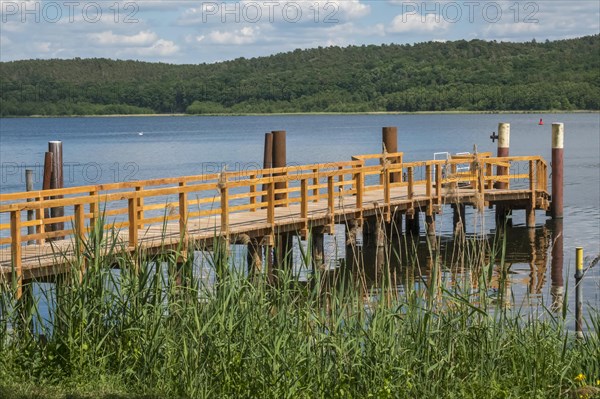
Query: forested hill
{"type": "Point", "coordinates": [461, 75]}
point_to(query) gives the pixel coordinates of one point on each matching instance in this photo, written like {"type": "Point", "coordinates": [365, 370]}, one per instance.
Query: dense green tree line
{"type": "Point", "coordinates": [460, 75]}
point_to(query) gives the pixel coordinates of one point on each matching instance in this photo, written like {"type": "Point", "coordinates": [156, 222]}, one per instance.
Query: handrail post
{"type": "Point", "coordinates": [253, 192]}
{"type": "Point", "coordinates": [387, 195]}
{"type": "Point", "coordinates": [304, 207]}
{"type": "Point", "coordinates": [224, 205]}
{"type": "Point", "coordinates": [428, 187]}
{"type": "Point", "coordinates": [453, 171]}
{"type": "Point", "coordinates": [411, 182]}
{"type": "Point", "coordinates": [15, 250]}
{"type": "Point", "coordinates": [489, 173]}
{"type": "Point", "coordinates": [80, 236]}
{"type": "Point", "coordinates": [133, 221]}
{"type": "Point", "coordinates": [183, 213]}
{"type": "Point", "coordinates": [331, 203]}
{"type": "Point", "coordinates": [140, 206]}
{"type": "Point", "coordinates": [80, 223]}
{"type": "Point", "coordinates": [481, 178]}
{"type": "Point", "coordinates": [316, 184]}
{"type": "Point", "coordinates": [359, 178]}
{"type": "Point", "coordinates": [41, 227]}
{"type": "Point", "coordinates": [438, 184]}
{"type": "Point", "coordinates": [530, 210]}
{"type": "Point", "coordinates": [271, 203]}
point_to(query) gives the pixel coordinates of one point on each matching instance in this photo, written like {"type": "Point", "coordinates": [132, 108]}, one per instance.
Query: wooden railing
{"type": "Point", "coordinates": [136, 205]}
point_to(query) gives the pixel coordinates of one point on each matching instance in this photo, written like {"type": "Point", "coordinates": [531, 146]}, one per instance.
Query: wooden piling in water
{"type": "Point", "coordinates": [57, 181]}
{"type": "Point", "coordinates": [556, 272]}
{"type": "Point", "coordinates": [267, 159]}
{"type": "Point", "coordinates": [459, 212]}
{"type": "Point", "coordinates": [502, 212]}
{"type": "Point", "coordinates": [390, 144]}
{"type": "Point", "coordinates": [280, 161]}
{"type": "Point", "coordinates": [285, 251]}
{"type": "Point", "coordinates": [412, 223]}
{"type": "Point", "coordinates": [578, 292]}
{"type": "Point", "coordinates": [353, 250]}
{"type": "Point", "coordinates": [557, 170]}
{"type": "Point", "coordinates": [255, 257]}
{"type": "Point", "coordinates": [318, 248]}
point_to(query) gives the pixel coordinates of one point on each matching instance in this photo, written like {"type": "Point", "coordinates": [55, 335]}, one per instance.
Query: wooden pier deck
{"type": "Point", "coordinates": [189, 212]}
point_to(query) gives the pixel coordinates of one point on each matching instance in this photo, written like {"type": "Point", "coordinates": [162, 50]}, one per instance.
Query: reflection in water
{"type": "Point", "coordinates": [517, 276]}
{"type": "Point", "coordinates": [556, 273]}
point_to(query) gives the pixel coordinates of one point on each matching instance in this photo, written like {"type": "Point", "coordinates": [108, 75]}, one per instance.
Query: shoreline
{"type": "Point", "coordinates": [503, 112]}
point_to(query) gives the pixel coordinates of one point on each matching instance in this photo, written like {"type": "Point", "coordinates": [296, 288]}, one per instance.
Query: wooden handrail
{"type": "Point", "coordinates": [230, 192]}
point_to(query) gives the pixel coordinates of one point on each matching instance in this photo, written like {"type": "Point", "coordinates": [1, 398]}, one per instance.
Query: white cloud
{"type": "Point", "coordinates": [246, 35]}
{"type": "Point", "coordinates": [415, 23]}
{"type": "Point", "coordinates": [108, 38]}
{"type": "Point", "coordinates": [161, 48]}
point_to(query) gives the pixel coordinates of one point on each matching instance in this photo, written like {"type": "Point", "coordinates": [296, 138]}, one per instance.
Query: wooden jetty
{"type": "Point", "coordinates": [262, 207]}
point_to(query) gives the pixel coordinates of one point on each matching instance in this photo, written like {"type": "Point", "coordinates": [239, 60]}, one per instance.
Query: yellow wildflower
{"type": "Point", "coordinates": [580, 377]}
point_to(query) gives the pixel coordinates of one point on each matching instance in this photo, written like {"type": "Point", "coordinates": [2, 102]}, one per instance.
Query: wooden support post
{"type": "Point", "coordinates": [280, 161]}
{"type": "Point", "coordinates": [15, 250]}
{"type": "Point", "coordinates": [255, 258]}
{"type": "Point", "coordinates": [556, 272]}
{"type": "Point", "coordinates": [318, 248]}
{"type": "Point", "coordinates": [430, 224]}
{"type": "Point", "coordinates": [381, 243]}
{"type": "Point", "coordinates": [133, 221]}
{"type": "Point", "coordinates": [412, 223]}
{"type": "Point", "coordinates": [458, 218]}
{"type": "Point", "coordinates": [558, 134]}
{"type": "Point", "coordinates": [390, 145]}
{"type": "Point", "coordinates": [267, 160]}
{"type": "Point", "coordinates": [57, 181]}
{"type": "Point", "coordinates": [285, 251]}
{"type": "Point", "coordinates": [352, 248]}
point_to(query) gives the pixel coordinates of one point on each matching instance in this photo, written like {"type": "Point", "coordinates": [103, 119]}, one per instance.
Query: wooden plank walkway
{"type": "Point", "coordinates": [257, 204]}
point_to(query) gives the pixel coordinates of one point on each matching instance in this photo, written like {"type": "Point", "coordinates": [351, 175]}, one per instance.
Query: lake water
{"type": "Point", "coordinates": [102, 150]}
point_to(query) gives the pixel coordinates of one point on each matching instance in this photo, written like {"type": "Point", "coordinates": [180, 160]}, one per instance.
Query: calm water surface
{"type": "Point", "coordinates": [102, 150]}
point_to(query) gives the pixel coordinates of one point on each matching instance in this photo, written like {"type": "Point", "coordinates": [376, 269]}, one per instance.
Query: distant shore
{"type": "Point", "coordinates": [319, 113]}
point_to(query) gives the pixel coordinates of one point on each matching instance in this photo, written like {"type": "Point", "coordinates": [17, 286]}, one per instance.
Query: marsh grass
{"type": "Point", "coordinates": [155, 328]}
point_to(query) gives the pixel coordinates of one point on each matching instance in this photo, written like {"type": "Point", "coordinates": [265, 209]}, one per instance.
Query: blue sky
{"type": "Point", "coordinates": [207, 31]}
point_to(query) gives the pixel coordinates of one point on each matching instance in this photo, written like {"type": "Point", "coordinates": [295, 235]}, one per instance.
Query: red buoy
{"type": "Point", "coordinates": [541, 122]}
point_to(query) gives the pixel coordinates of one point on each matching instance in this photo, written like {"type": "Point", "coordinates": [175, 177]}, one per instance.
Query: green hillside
{"type": "Point", "coordinates": [462, 75]}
